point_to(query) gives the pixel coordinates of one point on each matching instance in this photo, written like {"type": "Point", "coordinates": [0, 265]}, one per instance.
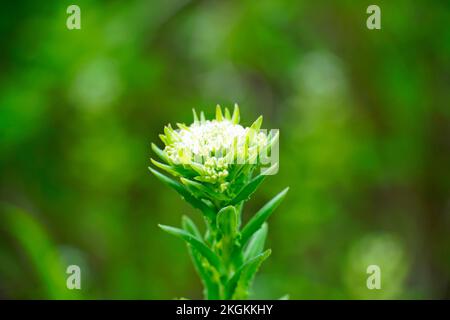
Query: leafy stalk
{"type": "Point", "coordinates": [226, 255]}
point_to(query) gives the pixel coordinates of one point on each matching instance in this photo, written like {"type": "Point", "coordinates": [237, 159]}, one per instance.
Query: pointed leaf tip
{"type": "Point", "coordinates": [165, 167]}
{"type": "Point", "coordinates": [190, 227]}
{"type": "Point", "coordinates": [237, 287]}
{"type": "Point", "coordinates": [261, 216]}
{"type": "Point", "coordinates": [183, 192]}
{"type": "Point", "coordinates": [236, 117]}
{"type": "Point", "coordinates": [227, 114]}
{"type": "Point", "coordinates": [257, 124]}
{"type": "Point", "coordinates": [203, 249]}
{"type": "Point", "coordinates": [163, 139]}
{"type": "Point", "coordinates": [227, 221]}
{"type": "Point", "coordinates": [256, 243]}
{"type": "Point", "coordinates": [219, 115]}
{"type": "Point", "coordinates": [160, 153]}
{"type": "Point", "coordinates": [250, 188]}
{"type": "Point", "coordinates": [194, 114]}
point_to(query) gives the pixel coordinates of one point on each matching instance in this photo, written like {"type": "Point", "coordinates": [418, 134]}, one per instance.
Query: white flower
{"type": "Point", "coordinates": [214, 152]}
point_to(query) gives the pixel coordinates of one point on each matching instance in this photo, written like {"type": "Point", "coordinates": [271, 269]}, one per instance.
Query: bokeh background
{"type": "Point", "coordinates": [363, 117]}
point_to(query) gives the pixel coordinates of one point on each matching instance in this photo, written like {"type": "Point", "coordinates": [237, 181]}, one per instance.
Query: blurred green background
{"type": "Point", "coordinates": [363, 118]}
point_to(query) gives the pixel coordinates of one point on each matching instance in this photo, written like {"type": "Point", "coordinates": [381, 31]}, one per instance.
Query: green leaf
{"type": "Point", "coordinates": [251, 187]}
{"type": "Point", "coordinates": [194, 114]}
{"type": "Point", "coordinates": [190, 227]}
{"type": "Point", "coordinates": [171, 135]}
{"type": "Point", "coordinates": [256, 244]}
{"type": "Point", "coordinates": [183, 126]}
{"type": "Point", "coordinates": [185, 194]}
{"type": "Point", "coordinates": [237, 286]}
{"type": "Point", "coordinates": [235, 117]}
{"type": "Point", "coordinates": [262, 215]}
{"type": "Point", "coordinates": [197, 244]}
{"type": "Point", "coordinates": [165, 167]}
{"type": "Point", "coordinates": [211, 287]}
{"type": "Point", "coordinates": [207, 277]}
{"type": "Point", "coordinates": [160, 153]}
{"type": "Point", "coordinates": [257, 124]}
{"type": "Point", "coordinates": [163, 139]}
{"type": "Point", "coordinates": [227, 114]}
{"type": "Point", "coordinates": [227, 226]}
{"type": "Point", "coordinates": [199, 189]}
{"type": "Point", "coordinates": [199, 168]}
{"type": "Point", "coordinates": [219, 115]}
{"type": "Point", "coordinates": [227, 221]}
{"type": "Point", "coordinates": [248, 190]}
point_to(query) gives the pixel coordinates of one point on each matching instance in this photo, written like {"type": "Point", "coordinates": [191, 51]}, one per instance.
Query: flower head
{"type": "Point", "coordinates": [214, 158]}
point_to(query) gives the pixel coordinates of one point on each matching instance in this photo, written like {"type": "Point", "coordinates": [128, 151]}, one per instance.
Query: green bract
{"type": "Point", "coordinates": [216, 165]}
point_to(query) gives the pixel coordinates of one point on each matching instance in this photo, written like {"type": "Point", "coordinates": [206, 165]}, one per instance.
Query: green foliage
{"type": "Point", "coordinates": [363, 118]}
{"type": "Point", "coordinates": [185, 194]}
{"type": "Point", "coordinates": [40, 252]}
{"type": "Point", "coordinates": [239, 284]}
{"type": "Point", "coordinates": [224, 261]}
{"type": "Point", "coordinates": [197, 244]}
{"type": "Point", "coordinates": [256, 244]}
{"type": "Point", "coordinates": [262, 215]}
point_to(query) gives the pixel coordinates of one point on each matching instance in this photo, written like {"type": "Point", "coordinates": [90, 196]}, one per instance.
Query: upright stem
{"type": "Point", "coordinates": [227, 248]}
